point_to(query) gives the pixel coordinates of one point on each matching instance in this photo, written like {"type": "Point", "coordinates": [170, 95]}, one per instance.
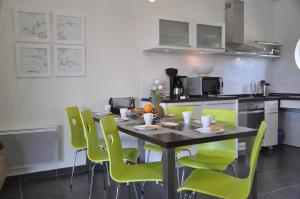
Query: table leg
{"type": "Point", "coordinates": [141, 144]}
{"type": "Point", "coordinates": [169, 174]}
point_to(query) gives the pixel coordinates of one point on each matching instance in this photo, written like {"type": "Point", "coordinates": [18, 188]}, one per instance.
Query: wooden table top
{"type": "Point", "coordinates": [181, 135]}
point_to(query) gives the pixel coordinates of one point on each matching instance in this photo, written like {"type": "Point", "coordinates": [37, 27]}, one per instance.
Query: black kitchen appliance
{"type": "Point", "coordinates": [204, 86]}
{"type": "Point", "coordinates": [177, 83]}
{"type": "Point", "coordinates": [122, 102]}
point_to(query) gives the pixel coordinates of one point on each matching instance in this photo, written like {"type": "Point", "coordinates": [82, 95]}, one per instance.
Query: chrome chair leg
{"type": "Point", "coordinates": [73, 169]}
{"type": "Point", "coordinates": [143, 185]}
{"type": "Point", "coordinates": [188, 150]}
{"type": "Point", "coordinates": [185, 195]}
{"type": "Point", "coordinates": [129, 189]}
{"type": "Point", "coordinates": [195, 195]}
{"type": "Point", "coordinates": [135, 191]}
{"type": "Point", "coordinates": [148, 156]}
{"type": "Point", "coordinates": [182, 177]}
{"type": "Point", "coordinates": [118, 189]}
{"type": "Point", "coordinates": [177, 173]}
{"type": "Point", "coordinates": [107, 173]}
{"type": "Point", "coordinates": [103, 175]}
{"type": "Point", "coordinates": [91, 184]}
{"type": "Point", "coordinates": [234, 169]}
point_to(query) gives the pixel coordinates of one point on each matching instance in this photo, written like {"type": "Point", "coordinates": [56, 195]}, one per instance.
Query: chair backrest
{"type": "Point", "coordinates": [177, 111]}
{"type": "Point", "coordinates": [226, 148]}
{"type": "Point", "coordinates": [113, 144]}
{"type": "Point", "coordinates": [94, 152]}
{"type": "Point", "coordinates": [76, 127]}
{"type": "Point", "coordinates": [255, 153]}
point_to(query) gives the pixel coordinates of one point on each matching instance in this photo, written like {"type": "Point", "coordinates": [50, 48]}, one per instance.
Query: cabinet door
{"type": "Point", "coordinates": [271, 136]}
{"type": "Point", "coordinates": [174, 33]}
{"type": "Point", "coordinates": [210, 36]}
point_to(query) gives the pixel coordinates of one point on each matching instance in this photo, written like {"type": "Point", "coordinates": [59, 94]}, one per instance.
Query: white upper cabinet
{"type": "Point", "coordinates": [183, 35]}
{"type": "Point", "coordinates": [209, 36]}
{"type": "Point", "coordinates": [175, 33]}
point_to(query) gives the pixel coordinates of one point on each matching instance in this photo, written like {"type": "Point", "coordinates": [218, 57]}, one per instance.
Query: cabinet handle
{"type": "Point", "coordinates": [271, 112]}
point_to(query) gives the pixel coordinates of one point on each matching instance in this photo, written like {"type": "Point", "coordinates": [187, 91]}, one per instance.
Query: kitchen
{"type": "Point", "coordinates": [118, 63]}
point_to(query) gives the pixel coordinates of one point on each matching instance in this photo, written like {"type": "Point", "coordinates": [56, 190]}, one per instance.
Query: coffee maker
{"type": "Point", "coordinates": [177, 83]}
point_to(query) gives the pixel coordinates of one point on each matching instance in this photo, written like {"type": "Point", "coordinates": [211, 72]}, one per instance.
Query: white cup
{"type": "Point", "coordinates": [148, 118]}
{"type": "Point", "coordinates": [187, 116]}
{"type": "Point", "coordinates": [107, 108]}
{"type": "Point", "coordinates": [123, 112]}
{"type": "Point", "coordinates": [206, 120]}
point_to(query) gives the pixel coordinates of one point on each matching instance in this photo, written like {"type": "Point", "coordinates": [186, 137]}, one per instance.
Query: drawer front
{"type": "Point", "coordinates": [290, 104]}
{"type": "Point", "coordinates": [271, 105]}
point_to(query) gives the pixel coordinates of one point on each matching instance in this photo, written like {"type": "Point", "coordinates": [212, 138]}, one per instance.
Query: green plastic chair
{"type": "Point", "coordinates": [78, 141]}
{"type": "Point", "coordinates": [222, 185]}
{"type": "Point", "coordinates": [177, 111]}
{"type": "Point", "coordinates": [97, 155]}
{"type": "Point", "coordinates": [119, 171]}
{"type": "Point", "coordinates": [214, 155]}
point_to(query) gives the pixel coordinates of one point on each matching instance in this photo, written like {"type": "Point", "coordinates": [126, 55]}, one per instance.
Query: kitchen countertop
{"type": "Point", "coordinates": [287, 96]}
{"type": "Point", "coordinates": [195, 99]}
{"type": "Point", "coordinates": [255, 98]}
{"type": "Point", "coordinates": [240, 97]}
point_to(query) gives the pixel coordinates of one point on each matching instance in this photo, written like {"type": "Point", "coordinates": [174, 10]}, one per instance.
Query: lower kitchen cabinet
{"type": "Point", "coordinates": [289, 121]}
{"type": "Point", "coordinates": [271, 118]}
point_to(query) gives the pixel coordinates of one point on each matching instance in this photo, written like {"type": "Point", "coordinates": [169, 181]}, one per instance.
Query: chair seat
{"type": "Point", "coordinates": [205, 162]}
{"type": "Point", "coordinates": [130, 154]}
{"type": "Point", "coordinates": [216, 184]}
{"type": "Point", "coordinates": [81, 144]}
{"type": "Point", "coordinates": [140, 173]}
{"type": "Point", "coordinates": [154, 148]}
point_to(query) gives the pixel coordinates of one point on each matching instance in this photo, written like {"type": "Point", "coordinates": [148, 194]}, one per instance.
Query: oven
{"type": "Point", "coordinates": [250, 115]}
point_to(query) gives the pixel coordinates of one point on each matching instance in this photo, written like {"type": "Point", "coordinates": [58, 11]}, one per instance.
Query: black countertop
{"type": "Point", "coordinates": [240, 97]}
{"type": "Point", "coordinates": [287, 96]}
{"type": "Point", "coordinates": [195, 99]}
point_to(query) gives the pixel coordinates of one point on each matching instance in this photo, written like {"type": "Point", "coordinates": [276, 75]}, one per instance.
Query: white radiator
{"type": "Point", "coordinates": [29, 147]}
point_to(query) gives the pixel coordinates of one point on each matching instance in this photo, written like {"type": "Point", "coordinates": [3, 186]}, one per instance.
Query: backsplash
{"type": "Point", "coordinates": [237, 72]}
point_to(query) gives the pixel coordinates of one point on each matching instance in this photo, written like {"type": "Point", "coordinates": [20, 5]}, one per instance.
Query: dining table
{"type": "Point", "coordinates": [170, 137]}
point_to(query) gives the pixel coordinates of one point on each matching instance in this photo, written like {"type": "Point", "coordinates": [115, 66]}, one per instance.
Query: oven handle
{"type": "Point", "coordinates": [251, 112]}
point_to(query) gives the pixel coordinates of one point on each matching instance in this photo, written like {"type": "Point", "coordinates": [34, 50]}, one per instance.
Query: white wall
{"type": "Point", "coordinates": [116, 65]}
{"type": "Point", "coordinates": [286, 75]}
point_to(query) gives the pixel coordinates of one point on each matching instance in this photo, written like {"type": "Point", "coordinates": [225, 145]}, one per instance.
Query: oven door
{"type": "Point", "coordinates": [251, 118]}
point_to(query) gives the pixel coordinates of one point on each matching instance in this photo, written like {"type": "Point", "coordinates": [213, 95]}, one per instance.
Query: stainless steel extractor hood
{"type": "Point", "coordinates": [234, 22]}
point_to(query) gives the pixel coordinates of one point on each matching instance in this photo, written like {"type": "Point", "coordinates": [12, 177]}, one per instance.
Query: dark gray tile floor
{"type": "Point", "coordinates": [278, 178]}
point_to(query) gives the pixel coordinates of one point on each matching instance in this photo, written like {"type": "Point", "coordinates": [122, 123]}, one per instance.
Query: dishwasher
{"type": "Point", "coordinates": [250, 115]}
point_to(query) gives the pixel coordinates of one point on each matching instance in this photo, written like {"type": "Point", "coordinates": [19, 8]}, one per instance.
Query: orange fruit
{"type": "Point", "coordinates": [148, 108]}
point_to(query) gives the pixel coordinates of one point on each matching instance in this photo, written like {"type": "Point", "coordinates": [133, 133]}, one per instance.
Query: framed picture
{"type": "Point", "coordinates": [32, 25]}
{"type": "Point", "coordinates": [33, 60]}
{"type": "Point", "coordinates": [69, 28]}
{"type": "Point", "coordinates": [69, 60]}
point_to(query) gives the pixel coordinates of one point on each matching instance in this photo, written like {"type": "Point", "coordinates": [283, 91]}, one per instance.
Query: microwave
{"type": "Point", "coordinates": [204, 86]}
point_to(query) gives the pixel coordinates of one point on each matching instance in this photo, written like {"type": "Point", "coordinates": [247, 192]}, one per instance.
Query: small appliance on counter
{"type": "Point", "coordinates": [177, 83]}
{"type": "Point", "coordinates": [122, 102]}
{"type": "Point", "coordinates": [204, 86]}
{"type": "Point", "coordinates": [264, 88]}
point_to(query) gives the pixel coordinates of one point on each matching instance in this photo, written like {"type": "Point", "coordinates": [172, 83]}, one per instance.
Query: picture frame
{"type": "Point", "coordinates": [69, 28]}
{"type": "Point", "coordinates": [32, 25]}
{"type": "Point", "coordinates": [69, 60]}
{"type": "Point", "coordinates": [33, 60]}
